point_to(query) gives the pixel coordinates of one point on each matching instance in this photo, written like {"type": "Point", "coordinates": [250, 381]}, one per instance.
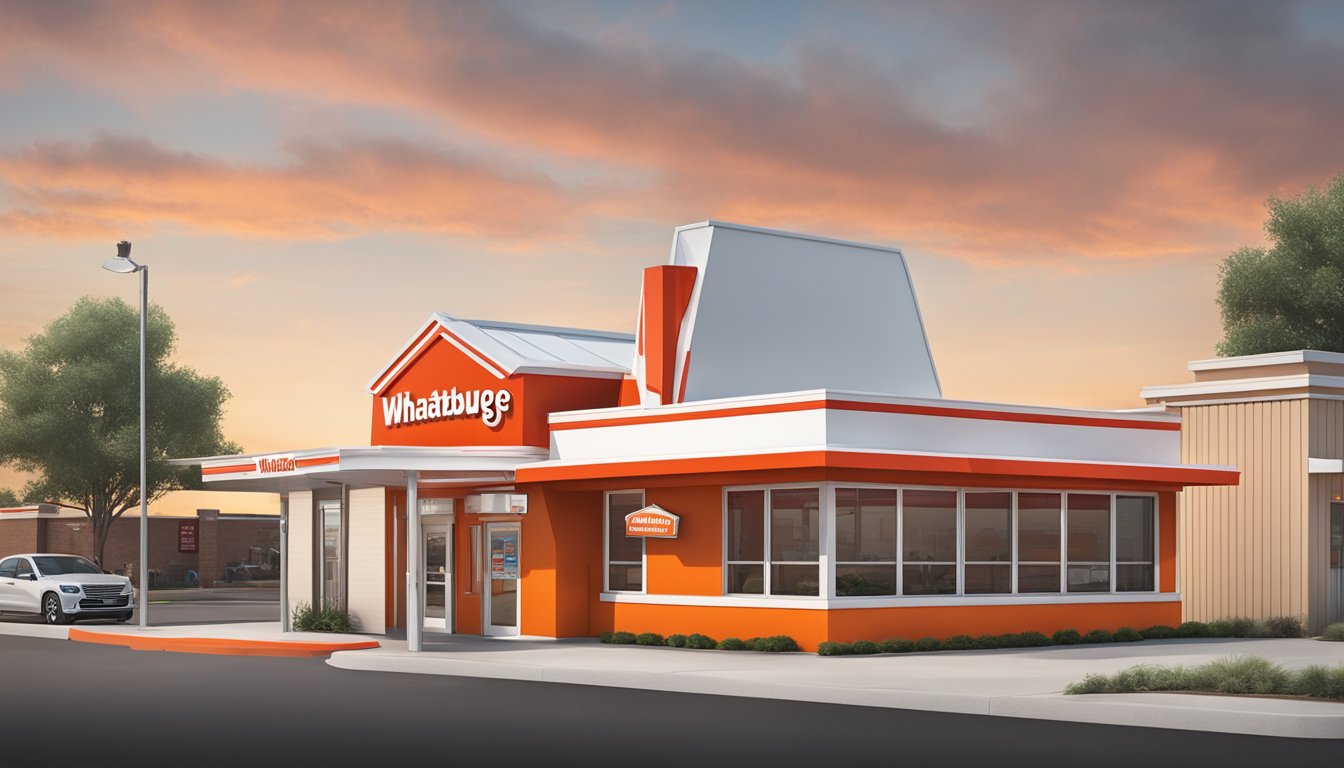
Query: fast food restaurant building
{"type": "Point", "coordinates": [769, 453]}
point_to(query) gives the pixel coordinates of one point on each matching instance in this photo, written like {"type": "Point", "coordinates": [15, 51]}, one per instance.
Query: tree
{"type": "Point", "coordinates": [1291, 295]}
{"type": "Point", "coordinates": [8, 498]}
{"type": "Point", "coordinates": [70, 412]}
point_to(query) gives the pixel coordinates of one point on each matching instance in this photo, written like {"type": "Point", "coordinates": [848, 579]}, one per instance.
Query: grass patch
{"type": "Point", "coordinates": [1239, 675]}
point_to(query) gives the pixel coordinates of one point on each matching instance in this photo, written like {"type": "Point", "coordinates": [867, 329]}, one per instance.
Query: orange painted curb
{"type": "Point", "coordinates": [218, 646]}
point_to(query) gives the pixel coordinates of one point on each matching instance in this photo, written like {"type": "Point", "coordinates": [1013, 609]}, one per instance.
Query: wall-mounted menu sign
{"type": "Point", "coordinates": [503, 555]}
{"type": "Point", "coordinates": [652, 522]}
{"type": "Point", "coordinates": [186, 536]}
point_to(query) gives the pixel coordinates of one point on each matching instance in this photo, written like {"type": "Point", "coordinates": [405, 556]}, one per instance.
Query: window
{"type": "Point", "coordinates": [865, 541]}
{"type": "Point", "coordinates": [775, 551]}
{"type": "Point", "coordinates": [9, 567]}
{"type": "Point", "coordinates": [329, 520]}
{"type": "Point", "coordinates": [474, 533]}
{"type": "Point", "coordinates": [25, 569]}
{"type": "Point", "coordinates": [625, 554]}
{"type": "Point", "coordinates": [1337, 535]}
{"type": "Point", "coordinates": [1038, 558]}
{"type": "Point", "coordinates": [989, 543]}
{"type": "Point", "coordinates": [1134, 543]}
{"type": "Point", "coordinates": [1089, 542]}
{"type": "Point", "coordinates": [929, 530]}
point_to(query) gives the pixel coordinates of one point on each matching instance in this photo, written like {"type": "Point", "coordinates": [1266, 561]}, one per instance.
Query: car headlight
{"type": "Point", "coordinates": [70, 589]}
{"type": "Point", "coordinates": [126, 590]}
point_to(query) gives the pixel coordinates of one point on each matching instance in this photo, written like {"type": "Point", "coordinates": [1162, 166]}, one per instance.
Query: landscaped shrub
{"type": "Point", "coordinates": [896, 645]}
{"type": "Point", "coordinates": [732, 644]}
{"type": "Point", "coordinates": [1320, 681]}
{"type": "Point", "coordinates": [1193, 629]}
{"type": "Point", "coordinates": [328, 617]}
{"type": "Point", "coordinates": [1334, 632]}
{"type": "Point", "coordinates": [1234, 675]}
{"type": "Point", "coordinates": [865, 647]}
{"type": "Point", "coordinates": [605, 637]}
{"type": "Point", "coordinates": [1067, 637]}
{"type": "Point", "coordinates": [676, 641]}
{"type": "Point", "coordinates": [928, 644]}
{"type": "Point", "coordinates": [1285, 626]}
{"type": "Point", "coordinates": [1127, 635]}
{"type": "Point", "coordinates": [985, 642]}
{"type": "Point", "coordinates": [832, 648]}
{"type": "Point", "coordinates": [751, 642]}
{"type": "Point", "coordinates": [701, 642]}
{"type": "Point", "coordinates": [623, 638]}
{"type": "Point", "coordinates": [1159, 632]}
{"type": "Point", "coordinates": [1236, 626]}
{"type": "Point", "coordinates": [1098, 636]}
{"type": "Point", "coordinates": [777, 644]}
{"type": "Point", "coordinates": [1240, 674]}
{"type": "Point", "coordinates": [959, 643]}
{"type": "Point", "coordinates": [649, 638]}
{"type": "Point", "coordinates": [1034, 640]}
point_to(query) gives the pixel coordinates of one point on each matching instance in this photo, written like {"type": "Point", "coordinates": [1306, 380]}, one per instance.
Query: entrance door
{"type": "Point", "coordinates": [438, 560]}
{"type": "Point", "coordinates": [1334, 609]}
{"type": "Point", "coordinates": [501, 603]}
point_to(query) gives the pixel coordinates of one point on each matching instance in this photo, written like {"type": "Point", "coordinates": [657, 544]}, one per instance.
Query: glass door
{"type": "Point", "coordinates": [501, 603]}
{"type": "Point", "coordinates": [437, 557]}
{"type": "Point", "coordinates": [329, 513]}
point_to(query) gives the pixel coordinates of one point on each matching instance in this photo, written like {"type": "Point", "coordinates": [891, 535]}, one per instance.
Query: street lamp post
{"type": "Point", "coordinates": [123, 264]}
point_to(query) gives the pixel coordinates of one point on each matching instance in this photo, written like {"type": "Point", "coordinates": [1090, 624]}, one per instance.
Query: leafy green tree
{"type": "Point", "coordinates": [8, 498]}
{"type": "Point", "coordinates": [1290, 295]}
{"type": "Point", "coordinates": [70, 412]}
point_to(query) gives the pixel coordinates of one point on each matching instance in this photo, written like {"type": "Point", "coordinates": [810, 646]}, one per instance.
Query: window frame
{"type": "Point", "coordinates": [607, 562]}
{"type": "Point", "coordinates": [825, 541]}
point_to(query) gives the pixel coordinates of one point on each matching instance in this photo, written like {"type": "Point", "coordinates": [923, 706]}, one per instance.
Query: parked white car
{"type": "Point", "coordinates": [63, 588]}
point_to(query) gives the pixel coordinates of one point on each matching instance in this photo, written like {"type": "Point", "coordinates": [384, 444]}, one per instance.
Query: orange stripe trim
{"type": "Point", "coordinates": [893, 462]}
{"type": "Point", "coordinates": [410, 353]}
{"type": "Point", "coordinates": [852, 405]}
{"type": "Point", "coordinates": [218, 646]}
{"type": "Point", "coordinates": [298, 464]}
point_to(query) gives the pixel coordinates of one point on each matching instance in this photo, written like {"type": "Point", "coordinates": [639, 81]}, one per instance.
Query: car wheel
{"type": "Point", "coordinates": [52, 612]}
{"type": "Point", "coordinates": [123, 618]}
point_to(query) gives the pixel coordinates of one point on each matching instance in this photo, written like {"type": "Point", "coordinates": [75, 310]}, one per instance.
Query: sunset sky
{"type": "Point", "coordinates": [309, 181]}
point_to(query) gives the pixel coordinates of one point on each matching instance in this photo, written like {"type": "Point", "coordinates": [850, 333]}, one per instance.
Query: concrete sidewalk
{"type": "Point", "coordinates": [1007, 683]}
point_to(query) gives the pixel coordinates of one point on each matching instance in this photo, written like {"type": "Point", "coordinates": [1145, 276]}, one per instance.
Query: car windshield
{"type": "Point", "coordinates": [52, 565]}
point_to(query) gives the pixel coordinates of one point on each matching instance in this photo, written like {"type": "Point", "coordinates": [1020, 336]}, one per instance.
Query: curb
{"type": "Point", "coordinates": [218, 646]}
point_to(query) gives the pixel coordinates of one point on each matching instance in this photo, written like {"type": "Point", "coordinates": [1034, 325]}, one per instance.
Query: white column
{"type": "Point", "coordinates": [415, 608]}
{"type": "Point", "coordinates": [284, 562]}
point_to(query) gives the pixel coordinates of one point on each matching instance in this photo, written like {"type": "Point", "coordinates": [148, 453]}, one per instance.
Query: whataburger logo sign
{"type": "Point", "coordinates": [489, 405]}
{"type": "Point", "coordinates": [652, 522]}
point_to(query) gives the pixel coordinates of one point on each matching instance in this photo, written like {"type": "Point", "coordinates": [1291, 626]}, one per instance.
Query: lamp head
{"type": "Point", "coordinates": [122, 263]}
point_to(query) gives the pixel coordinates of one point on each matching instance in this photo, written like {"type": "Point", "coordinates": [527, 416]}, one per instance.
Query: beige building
{"type": "Point", "coordinates": [1274, 544]}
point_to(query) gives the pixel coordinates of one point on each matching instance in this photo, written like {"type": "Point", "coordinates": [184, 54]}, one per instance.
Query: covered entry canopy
{"type": "Point", "coordinates": [382, 465]}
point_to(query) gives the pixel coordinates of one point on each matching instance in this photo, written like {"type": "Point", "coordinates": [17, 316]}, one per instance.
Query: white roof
{"type": "Point", "coordinates": [517, 348]}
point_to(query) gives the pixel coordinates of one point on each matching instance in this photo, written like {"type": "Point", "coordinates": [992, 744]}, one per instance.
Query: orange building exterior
{"type": "Point", "coordinates": [838, 499]}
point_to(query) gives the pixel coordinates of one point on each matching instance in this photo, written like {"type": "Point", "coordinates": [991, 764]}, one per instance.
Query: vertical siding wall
{"type": "Point", "coordinates": [300, 554]}
{"type": "Point", "coordinates": [1327, 442]}
{"type": "Point", "coordinates": [1243, 549]}
{"type": "Point", "coordinates": [366, 574]}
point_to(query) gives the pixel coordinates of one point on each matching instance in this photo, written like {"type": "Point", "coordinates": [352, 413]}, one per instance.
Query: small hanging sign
{"type": "Point", "coordinates": [652, 522]}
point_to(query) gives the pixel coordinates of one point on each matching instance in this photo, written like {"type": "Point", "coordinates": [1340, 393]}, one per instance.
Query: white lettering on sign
{"type": "Point", "coordinates": [270, 464]}
{"type": "Point", "coordinates": [489, 405]}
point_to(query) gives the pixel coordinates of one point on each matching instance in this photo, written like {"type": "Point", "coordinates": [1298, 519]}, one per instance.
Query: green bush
{"type": "Point", "coordinates": [751, 642]}
{"type": "Point", "coordinates": [896, 645]}
{"type": "Point", "coordinates": [777, 644]}
{"type": "Point", "coordinates": [928, 644]}
{"type": "Point", "coordinates": [1285, 626]}
{"type": "Point", "coordinates": [1193, 629]}
{"type": "Point", "coordinates": [329, 617]}
{"type": "Point", "coordinates": [1334, 632]}
{"type": "Point", "coordinates": [986, 642]}
{"type": "Point", "coordinates": [1127, 635]}
{"type": "Point", "coordinates": [865, 647]}
{"type": "Point", "coordinates": [832, 648]}
{"type": "Point", "coordinates": [1034, 640]}
{"type": "Point", "coordinates": [701, 642]}
{"type": "Point", "coordinates": [605, 637]}
{"type": "Point", "coordinates": [623, 638]}
{"type": "Point", "coordinates": [1067, 637]}
{"type": "Point", "coordinates": [732, 644]}
{"type": "Point", "coordinates": [1236, 626]}
{"type": "Point", "coordinates": [649, 638]}
{"type": "Point", "coordinates": [1320, 681]}
{"type": "Point", "coordinates": [1159, 632]}
{"type": "Point", "coordinates": [1098, 636]}
{"type": "Point", "coordinates": [676, 641]}
{"type": "Point", "coordinates": [959, 643]}
{"type": "Point", "coordinates": [1246, 675]}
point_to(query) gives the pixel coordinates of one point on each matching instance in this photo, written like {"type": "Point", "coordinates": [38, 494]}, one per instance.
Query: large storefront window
{"type": "Point", "coordinates": [625, 554]}
{"type": "Point", "coordinates": [789, 563]}
{"type": "Point", "coordinates": [892, 542]}
{"type": "Point", "coordinates": [865, 541]}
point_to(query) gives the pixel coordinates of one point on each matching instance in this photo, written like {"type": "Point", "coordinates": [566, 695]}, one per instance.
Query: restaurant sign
{"type": "Point", "coordinates": [186, 536]}
{"type": "Point", "coordinates": [652, 522]}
